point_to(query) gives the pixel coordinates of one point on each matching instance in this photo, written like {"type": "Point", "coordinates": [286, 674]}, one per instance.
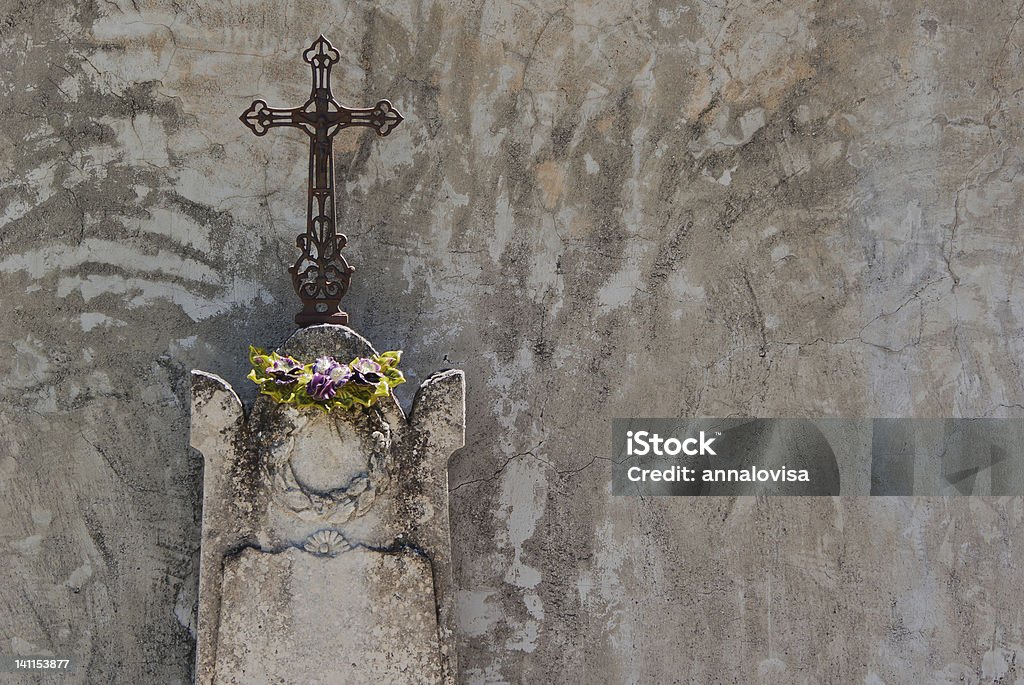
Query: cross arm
{"type": "Point", "coordinates": [383, 117]}
{"type": "Point", "coordinates": [260, 117]}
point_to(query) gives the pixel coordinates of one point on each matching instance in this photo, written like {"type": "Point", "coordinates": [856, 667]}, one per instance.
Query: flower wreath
{"type": "Point", "coordinates": [325, 383]}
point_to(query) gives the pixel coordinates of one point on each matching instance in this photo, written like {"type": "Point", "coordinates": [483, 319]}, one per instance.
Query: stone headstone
{"type": "Point", "coordinates": [326, 554]}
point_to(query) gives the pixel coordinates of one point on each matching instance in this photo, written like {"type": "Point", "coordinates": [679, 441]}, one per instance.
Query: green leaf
{"type": "Point", "coordinates": [388, 359]}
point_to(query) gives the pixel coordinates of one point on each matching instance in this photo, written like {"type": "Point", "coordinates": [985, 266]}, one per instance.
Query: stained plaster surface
{"type": "Point", "coordinates": [601, 209]}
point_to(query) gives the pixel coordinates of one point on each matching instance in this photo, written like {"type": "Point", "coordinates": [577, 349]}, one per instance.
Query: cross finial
{"type": "Point", "coordinates": [321, 275]}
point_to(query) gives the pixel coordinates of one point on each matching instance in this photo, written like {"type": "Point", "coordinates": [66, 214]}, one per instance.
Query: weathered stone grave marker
{"type": "Point", "coordinates": [325, 536]}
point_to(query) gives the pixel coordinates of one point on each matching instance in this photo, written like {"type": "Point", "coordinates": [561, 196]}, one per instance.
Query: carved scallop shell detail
{"type": "Point", "coordinates": [326, 543]}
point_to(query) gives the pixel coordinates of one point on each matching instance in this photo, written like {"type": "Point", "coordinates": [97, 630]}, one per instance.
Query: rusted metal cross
{"type": "Point", "coordinates": [321, 275]}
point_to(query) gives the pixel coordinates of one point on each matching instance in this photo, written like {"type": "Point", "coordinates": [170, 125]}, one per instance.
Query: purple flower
{"type": "Point", "coordinates": [285, 370]}
{"type": "Point", "coordinates": [321, 387]}
{"type": "Point", "coordinates": [340, 375]}
{"type": "Point", "coordinates": [328, 376]}
{"type": "Point", "coordinates": [324, 365]}
{"type": "Point", "coordinates": [366, 371]}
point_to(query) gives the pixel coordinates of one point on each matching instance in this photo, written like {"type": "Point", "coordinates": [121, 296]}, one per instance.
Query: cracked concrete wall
{"type": "Point", "coordinates": [598, 209]}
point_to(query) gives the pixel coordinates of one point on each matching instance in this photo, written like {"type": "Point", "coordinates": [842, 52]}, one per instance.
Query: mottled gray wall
{"type": "Point", "coordinates": [785, 208]}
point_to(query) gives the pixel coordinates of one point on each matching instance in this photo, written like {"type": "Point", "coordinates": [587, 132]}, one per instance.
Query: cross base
{"type": "Point", "coordinates": [311, 318]}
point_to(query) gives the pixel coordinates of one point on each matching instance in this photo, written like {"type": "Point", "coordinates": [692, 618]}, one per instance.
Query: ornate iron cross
{"type": "Point", "coordinates": [321, 275]}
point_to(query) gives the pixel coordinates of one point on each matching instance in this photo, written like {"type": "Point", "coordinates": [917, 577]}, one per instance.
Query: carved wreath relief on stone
{"type": "Point", "coordinates": [318, 484]}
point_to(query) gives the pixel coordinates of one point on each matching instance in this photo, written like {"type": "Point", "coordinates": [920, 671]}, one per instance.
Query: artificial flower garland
{"type": "Point", "coordinates": [325, 383]}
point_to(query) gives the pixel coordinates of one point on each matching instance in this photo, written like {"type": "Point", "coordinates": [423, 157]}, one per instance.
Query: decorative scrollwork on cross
{"type": "Point", "coordinates": [321, 275]}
